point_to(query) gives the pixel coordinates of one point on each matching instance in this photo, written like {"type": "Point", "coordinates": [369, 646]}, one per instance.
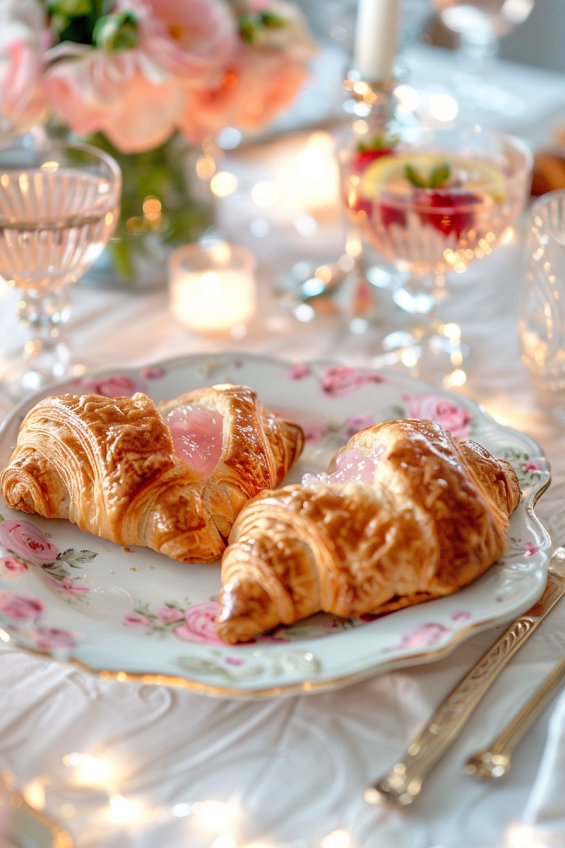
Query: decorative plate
{"type": "Point", "coordinates": [131, 614]}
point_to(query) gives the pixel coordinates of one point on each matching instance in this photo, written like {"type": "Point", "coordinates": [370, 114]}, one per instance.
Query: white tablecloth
{"type": "Point", "coordinates": [290, 772]}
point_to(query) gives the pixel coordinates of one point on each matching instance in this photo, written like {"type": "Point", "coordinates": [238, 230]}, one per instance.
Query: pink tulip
{"type": "Point", "coordinates": [190, 38]}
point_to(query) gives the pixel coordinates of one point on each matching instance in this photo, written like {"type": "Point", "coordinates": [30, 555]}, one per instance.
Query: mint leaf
{"type": "Point", "coordinates": [439, 175]}
{"type": "Point", "coordinates": [414, 177]}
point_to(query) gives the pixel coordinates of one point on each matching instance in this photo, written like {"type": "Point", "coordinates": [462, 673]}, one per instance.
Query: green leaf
{"type": "Point", "coordinates": [272, 20]}
{"type": "Point", "coordinates": [116, 32]}
{"type": "Point", "coordinates": [439, 175]}
{"type": "Point", "coordinates": [414, 177]}
{"type": "Point", "coordinates": [250, 26]}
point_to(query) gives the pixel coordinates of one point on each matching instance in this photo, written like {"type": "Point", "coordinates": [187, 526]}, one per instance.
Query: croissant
{"type": "Point", "coordinates": [407, 513]}
{"type": "Point", "coordinates": [109, 465]}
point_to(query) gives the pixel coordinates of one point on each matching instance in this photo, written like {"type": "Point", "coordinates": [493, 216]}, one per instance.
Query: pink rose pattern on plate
{"type": "Point", "coordinates": [342, 381]}
{"type": "Point", "coordinates": [442, 411]}
{"type": "Point", "coordinates": [26, 541]}
{"type": "Point", "coordinates": [114, 385]}
{"type": "Point", "coordinates": [10, 567]}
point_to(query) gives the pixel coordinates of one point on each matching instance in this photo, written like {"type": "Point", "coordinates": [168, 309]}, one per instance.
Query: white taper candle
{"type": "Point", "coordinates": [376, 38]}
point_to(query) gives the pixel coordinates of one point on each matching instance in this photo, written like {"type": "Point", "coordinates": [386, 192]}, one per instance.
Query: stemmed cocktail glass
{"type": "Point", "coordinates": [430, 201]}
{"type": "Point", "coordinates": [59, 204]}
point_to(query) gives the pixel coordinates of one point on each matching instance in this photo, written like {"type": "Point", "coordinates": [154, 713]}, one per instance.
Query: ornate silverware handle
{"type": "Point", "coordinates": [494, 762]}
{"type": "Point", "coordinates": [404, 782]}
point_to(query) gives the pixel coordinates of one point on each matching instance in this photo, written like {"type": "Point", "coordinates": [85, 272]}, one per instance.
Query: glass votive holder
{"type": "Point", "coordinates": [212, 286]}
{"type": "Point", "coordinates": [541, 323]}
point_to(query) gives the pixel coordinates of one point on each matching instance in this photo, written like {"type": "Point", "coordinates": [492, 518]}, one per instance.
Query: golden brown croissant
{"type": "Point", "coordinates": [109, 465]}
{"type": "Point", "coordinates": [421, 516]}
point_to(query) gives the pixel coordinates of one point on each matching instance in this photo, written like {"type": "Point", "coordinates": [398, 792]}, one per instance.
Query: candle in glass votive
{"type": "Point", "coordinates": [212, 288]}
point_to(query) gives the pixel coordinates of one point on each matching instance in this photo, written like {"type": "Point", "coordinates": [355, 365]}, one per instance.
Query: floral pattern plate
{"type": "Point", "coordinates": [131, 614]}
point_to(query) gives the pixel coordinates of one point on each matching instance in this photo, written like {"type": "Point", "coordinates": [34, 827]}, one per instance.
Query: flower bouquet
{"type": "Point", "coordinates": [144, 79]}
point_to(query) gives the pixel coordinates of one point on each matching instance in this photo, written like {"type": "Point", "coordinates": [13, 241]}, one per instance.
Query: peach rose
{"type": "Point", "coordinates": [257, 84]}
{"type": "Point", "coordinates": [27, 541]}
{"type": "Point", "coordinates": [124, 94]}
{"type": "Point", "coordinates": [190, 38]}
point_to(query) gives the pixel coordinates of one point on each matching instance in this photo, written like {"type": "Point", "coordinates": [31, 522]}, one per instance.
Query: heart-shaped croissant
{"type": "Point", "coordinates": [420, 516]}
{"type": "Point", "coordinates": [109, 465]}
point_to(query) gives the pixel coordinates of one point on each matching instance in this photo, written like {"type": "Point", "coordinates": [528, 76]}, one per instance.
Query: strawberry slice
{"type": "Point", "coordinates": [365, 157]}
{"type": "Point", "coordinates": [448, 220]}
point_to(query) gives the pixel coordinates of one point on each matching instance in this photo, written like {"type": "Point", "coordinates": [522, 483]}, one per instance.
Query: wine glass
{"type": "Point", "coordinates": [432, 201]}
{"type": "Point", "coordinates": [59, 204]}
{"type": "Point", "coordinates": [480, 24]}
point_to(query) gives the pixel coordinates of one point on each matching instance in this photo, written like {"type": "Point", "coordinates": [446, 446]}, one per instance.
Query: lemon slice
{"type": "Point", "coordinates": [471, 174]}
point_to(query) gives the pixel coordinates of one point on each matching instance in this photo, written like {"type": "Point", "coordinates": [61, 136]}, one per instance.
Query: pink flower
{"type": "Point", "coordinates": [11, 567]}
{"type": "Point", "coordinates": [257, 84]}
{"type": "Point", "coordinates": [200, 624]}
{"type": "Point", "coordinates": [530, 549]}
{"type": "Point", "coordinates": [314, 431]}
{"type": "Point", "coordinates": [299, 371]}
{"type": "Point", "coordinates": [113, 386]}
{"type": "Point", "coordinates": [167, 614]}
{"type": "Point", "coordinates": [152, 373]}
{"type": "Point", "coordinates": [339, 381]}
{"type": "Point", "coordinates": [124, 94]}
{"type": "Point", "coordinates": [53, 638]}
{"type": "Point", "coordinates": [531, 465]}
{"type": "Point", "coordinates": [355, 423]}
{"type": "Point", "coordinates": [67, 586]}
{"type": "Point", "coordinates": [19, 607]}
{"type": "Point", "coordinates": [235, 660]}
{"type": "Point", "coordinates": [460, 615]}
{"type": "Point", "coordinates": [423, 635]}
{"type": "Point", "coordinates": [135, 619]}
{"type": "Point", "coordinates": [190, 38]}
{"type": "Point", "coordinates": [441, 410]}
{"type": "Point", "coordinates": [24, 37]}
{"type": "Point", "coordinates": [25, 540]}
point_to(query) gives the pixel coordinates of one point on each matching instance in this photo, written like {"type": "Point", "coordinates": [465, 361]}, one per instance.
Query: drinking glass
{"type": "Point", "coordinates": [59, 204]}
{"type": "Point", "coordinates": [541, 322]}
{"type": "Point", "coordinates": [429, 229]}
{"type": "Point", "coordinates": [480, 24]}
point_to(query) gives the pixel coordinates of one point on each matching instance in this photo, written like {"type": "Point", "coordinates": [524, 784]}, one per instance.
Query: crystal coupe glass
{"type": "Point", "coordinates": [59, 204]}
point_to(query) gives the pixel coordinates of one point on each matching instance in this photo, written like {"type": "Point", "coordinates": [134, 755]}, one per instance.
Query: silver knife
{"type": "Point", "coordinates": [402, 785]}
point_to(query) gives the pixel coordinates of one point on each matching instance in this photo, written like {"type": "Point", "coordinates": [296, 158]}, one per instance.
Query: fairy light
{"type": "Point", "coordinates": [444, 107]}
{"type": "Point", "coordinates": [336, 839]}
{"type": "Point", "coordinates": [34, 793]}
{"type": "Point", "coordinates": [123, 811]}
{"type": "Point", "coordinates": [223, 184]}
{"type": "Point", "coordinates": [409, 357]}
{"type": "Point", "coordinates": [205, 167]}
{"type": "Point", "coordinates": [407, 97]}
{"type": "Point", "coordinates": [224, 840]}
{"type": "Point", "coordinates": [451, 331]}
{"type": "Point", "coordinates": [90, 771]}
{"type": "Point", "coordinates": [50, 167]}
{"type": "Point", "coordinates": [522, 836]}
{"type": "Point", "coordinates": [507, 236]}
{"type": "Point", "coordinates": [265, 194]}
{"type": "Point", "coordinates": [4, 636]}
{"type": "Point", "coordinates": [456, 379]}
